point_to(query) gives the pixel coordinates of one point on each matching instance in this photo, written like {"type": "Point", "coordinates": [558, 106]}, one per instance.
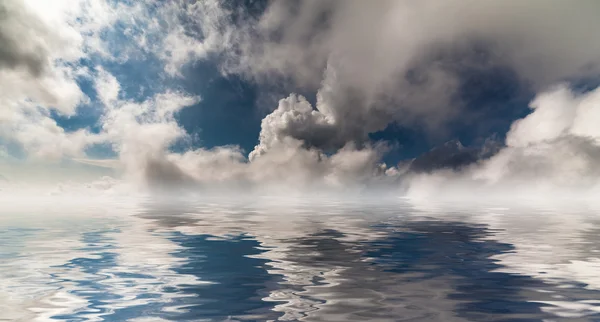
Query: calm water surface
{"type": "Point", "coordinates": [224, 261]}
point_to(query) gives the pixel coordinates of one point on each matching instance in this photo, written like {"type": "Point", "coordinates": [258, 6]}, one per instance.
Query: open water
{"type": "Point", "coordinates": [301, 261]}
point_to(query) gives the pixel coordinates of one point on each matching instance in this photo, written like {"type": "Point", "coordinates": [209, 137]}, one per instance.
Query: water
{"type": "Point", "coordinates": [223, 261]}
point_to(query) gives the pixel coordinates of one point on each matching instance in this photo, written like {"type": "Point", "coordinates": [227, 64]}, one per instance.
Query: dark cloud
{"type": "Point", "coordinates": [422, 64]}
{"type": "Point", "coordinates": [17, 51]}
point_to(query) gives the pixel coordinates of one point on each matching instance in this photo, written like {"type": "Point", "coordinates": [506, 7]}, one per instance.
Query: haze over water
{"type": "Point", "coordinates": [217, 260]}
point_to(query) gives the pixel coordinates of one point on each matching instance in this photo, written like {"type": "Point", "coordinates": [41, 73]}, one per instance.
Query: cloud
{"type": "Point", "coordinates": [18, 54]}
{"type": "Point", "coordinates": [184, 42]}
{"type": "Point", "coordinates": [554, 143]}
{"type": "Point", "coordinates": [42, 45]}
{"type": "Point", "coordinates": [387, 37]}
{"type": "Point", "coordinates": [177, 33]}
{"type": "Point", "coordinates": [370, 65]}
{"type": "Point", "coordinates": [400, 61]}
{"type": "Point", "coordinates": [288, 168]}
{"type": "Point", "coordinates": [554, 151]}
{"type": "Point", "coordinates": [41, 63]}
{"type": "Point", "coordinates": [142, 132]}
{"type": "Point", "coordinates": [295, 118]}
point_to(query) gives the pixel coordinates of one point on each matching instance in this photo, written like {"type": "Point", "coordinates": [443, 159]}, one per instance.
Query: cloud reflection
{"type": "Point", "coordinates": [258, 261]}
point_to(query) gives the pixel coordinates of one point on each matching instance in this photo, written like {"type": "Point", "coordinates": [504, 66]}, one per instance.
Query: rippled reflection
{"type": "Point", "coordinates": [232, 261]}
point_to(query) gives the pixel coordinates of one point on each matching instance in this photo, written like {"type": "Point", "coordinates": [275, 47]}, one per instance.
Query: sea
{"type": "Point", "coordinates": [298, 260]}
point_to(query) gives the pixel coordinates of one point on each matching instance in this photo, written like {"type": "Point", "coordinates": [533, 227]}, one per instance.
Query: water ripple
{"type": "Point", "coordinates": [327, 262]}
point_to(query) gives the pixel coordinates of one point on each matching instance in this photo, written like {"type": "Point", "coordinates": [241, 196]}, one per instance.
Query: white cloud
{"type": "Point", "coordinates": [371, 64]}
{"type": "Point", "coordinates": [551, 152]}
{"type": "Point", "coordinates": [107, 87]}
{"type": "Point", "coordinates": [375, 63]}
{"type": "Point", "coordinates": [39, 66]}
{"type": "Point", "coordinates": [293, 118]}
{"type": "Point", "coordinates": [552, 116]}
{"type": "Point", "coordinates": [142, 132]}
{"type": "Point", "coordinates": [44, 43]}
{"type": "Point", "coordinates": [176, 32]}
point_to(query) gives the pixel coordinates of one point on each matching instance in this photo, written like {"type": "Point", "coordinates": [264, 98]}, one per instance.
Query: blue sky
{"type": "Point", "coordinates": [232, 106]}
{"type": "Point", "coordinates": [325, 93]}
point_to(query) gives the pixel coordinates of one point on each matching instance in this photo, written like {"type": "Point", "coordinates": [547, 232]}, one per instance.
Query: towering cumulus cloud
{"type": "Point", "coordinates": [361, 65]}
{"type": "Point", "coordinates": [374, 63]}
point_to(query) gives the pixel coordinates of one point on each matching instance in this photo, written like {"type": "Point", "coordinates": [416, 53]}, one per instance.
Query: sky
{"type": "Point", "coordinates": [414, 98]}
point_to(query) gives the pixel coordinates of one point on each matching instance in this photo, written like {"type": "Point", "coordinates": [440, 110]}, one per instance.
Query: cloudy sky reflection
{"type": "Point", "coordinates": [217, 261]}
